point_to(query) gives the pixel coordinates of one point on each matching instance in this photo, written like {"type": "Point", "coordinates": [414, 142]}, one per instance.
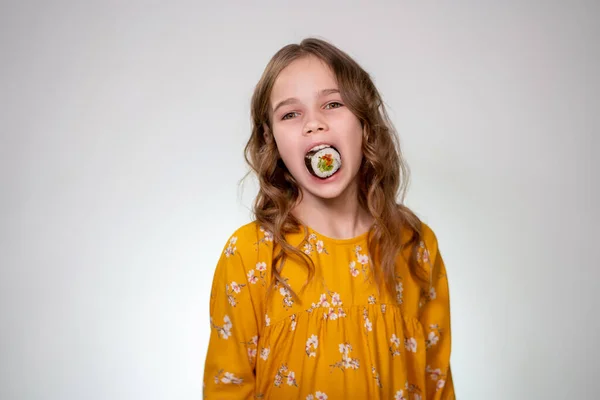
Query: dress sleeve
{"type": "Point", "coordinates": [229, 371]}
{"type": "Point", "coordinates": [435, 319]}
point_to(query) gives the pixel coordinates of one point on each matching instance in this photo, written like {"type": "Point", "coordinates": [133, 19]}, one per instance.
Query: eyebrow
{"type": "Point", "coordinates": [291, 100]}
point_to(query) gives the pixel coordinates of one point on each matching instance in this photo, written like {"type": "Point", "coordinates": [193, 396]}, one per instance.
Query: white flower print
{"type": "Point", "coordinates": [313, 243]}
{"type": "Point", "coordinates": [414, 389]}
{"type": "Point", "coordinates": [252, 279]}
{"type": "Point", "coordinates": [293, 324]}
{"type": "Point", "coordinates": [331, 314]}
{"type": "Point", "coordinates": [372, 299]}
{"type": "Point", "coordinates": [311, 345]}
{"type": "Point", "coordinates": [251, 353]}
{"type": "Point", "coordinates": [287, 300]}
{"type": "Point", "coordinates": [252, 347]}
{"type": "Point", "coordinates": [231, 290]}
{"type": "Point", "coordinates": [264, 353]}
{"type": "Point", "coordinates": [363, 260]}
{"type": "Point", "coordinates": [335, 300]}
{"type": "Point", "coordinates": [432, 339]}
{"type": "Point", "coordinates": [323, 301]}
{"type": "Point", "coordinates": [261, 266]}
{"type": "Point", "coordinates": [376, 376]}
{"type": "Point", "coordinates": [351, 363]}
{"type": "Point", "coordinates": [235, 287]}
{"type": "Point", "coordinates": [345, 348]}
{"type": "Point", "coordinates": [225, 330]}
{"type": "Point", "coordinates": [422, 253]}
{"type": "Point", "coordinates": [320, 246]}
{"type": "Point", "coordinates": [368, 325]}
{"type": "Point", "coordinates": [228, 378]}
{"type": "Point", "coordinates": [435, 374]}
{"type": "Point", "coordinates": [334, 310]}
{"type": "Point", "coordinates": [399, 292]}
{"type": "Point", "coordinates": [267, 320]}
{"type": "Point", "coordinates": [440, 384]}
{"type": "Point", "coordinates": [283, 372]}
{"type": "Point", "coordinates": [425, 255]}
{"type": "Point", "coordinates": [347, 362]}
{"type": "Point", "coordinates": [353, 270]}
{"type": "Point", "coordinates": [317, 396]}
{"type": "Point", "coordinates": [291, 379]}
{"type": "Point", "coordinates": [308, 248]}
{"type": "Point", "coordinates": [321, 396]}
{"type": "Point", "coordinates": [395, 344]}
{"type": "Point", "coordinates": [411, 344]}
{"type": "Point", "coordinates": [383, 308]}
{"type": "Point", "coordinates": [432, 293]}
{"type": "Point", "coordinates": [399, 395]}
{"type": "Point", "coordinates": [267, 236]}
{"type": "Point", "coordinates": [231, 249]}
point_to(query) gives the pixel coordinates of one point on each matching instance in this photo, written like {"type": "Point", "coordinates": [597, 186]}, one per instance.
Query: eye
{"type": "Point", "coordinates": [334, 104]}
{"type": "Point", "coordinates": [289, 115]}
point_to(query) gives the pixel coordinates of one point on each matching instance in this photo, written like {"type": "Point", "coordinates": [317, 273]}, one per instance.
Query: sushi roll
{"type": "Point", "coordinates": [323, 161]}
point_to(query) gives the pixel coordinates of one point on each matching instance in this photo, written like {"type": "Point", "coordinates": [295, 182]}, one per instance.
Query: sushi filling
{"type": "Point", "coordinates": [323, 161]}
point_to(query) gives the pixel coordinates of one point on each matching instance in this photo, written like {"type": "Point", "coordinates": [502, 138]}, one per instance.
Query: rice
{"type": "Point", "coordinates": [323, 163]}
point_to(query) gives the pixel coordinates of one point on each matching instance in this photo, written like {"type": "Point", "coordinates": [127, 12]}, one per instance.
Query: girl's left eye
{"type": "Point", "coordinates": [334, 104]}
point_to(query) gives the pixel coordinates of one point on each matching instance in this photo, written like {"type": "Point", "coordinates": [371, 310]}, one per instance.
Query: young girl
{"type": "Point", "coordinates": [335, 291]}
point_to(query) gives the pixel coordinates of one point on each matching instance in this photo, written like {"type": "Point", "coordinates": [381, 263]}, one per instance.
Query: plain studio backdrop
{"type": "Point", "coordinates": [122, 128]}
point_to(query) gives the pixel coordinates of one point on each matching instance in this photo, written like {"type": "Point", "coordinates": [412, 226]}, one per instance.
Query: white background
{"type": "Point", "coordinates": [122, 127]}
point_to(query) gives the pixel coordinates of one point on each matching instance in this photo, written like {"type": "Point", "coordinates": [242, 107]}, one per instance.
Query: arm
{"type": "Point", "coordinates": [435, 319]}
{"type": "Point", "coordinates": [231, 356]}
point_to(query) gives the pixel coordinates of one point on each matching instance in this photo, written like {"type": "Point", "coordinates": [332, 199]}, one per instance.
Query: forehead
{"type": "Point", "coordinates": [303, 78]}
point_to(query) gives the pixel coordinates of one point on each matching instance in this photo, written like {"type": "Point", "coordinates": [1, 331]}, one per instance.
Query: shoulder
{"type": "Point", "coordinates": [429, 238]}
{"type": "Point", "coordinates": [419, 234]}
{"type": "Point", "coordinates": [247, 239]}
{"type": "Point", "coordinates": [245, 233]}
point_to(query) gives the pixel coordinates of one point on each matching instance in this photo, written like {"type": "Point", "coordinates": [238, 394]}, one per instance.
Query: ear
{"type": "Point", "coordinates": [267, 135]}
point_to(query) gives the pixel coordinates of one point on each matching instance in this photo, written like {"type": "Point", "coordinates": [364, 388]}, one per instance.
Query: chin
{"type": "Point", "coordinates": [326, 194]}
{"type": "Point", "coordinates": [326, 189]}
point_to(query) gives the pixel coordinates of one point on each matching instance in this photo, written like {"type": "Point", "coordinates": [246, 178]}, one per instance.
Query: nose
{"type": "Point", "coordinates": [315, 125]}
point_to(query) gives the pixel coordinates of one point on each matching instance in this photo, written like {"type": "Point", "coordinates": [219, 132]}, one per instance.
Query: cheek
{"type": "Point", "coordinates": [288, 149]}
{"type": "Point", "coordinates": [353, 140]}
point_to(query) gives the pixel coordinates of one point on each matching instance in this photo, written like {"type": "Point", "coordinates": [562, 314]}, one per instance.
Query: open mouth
{"type": "Point", "coordinates": [323, 161]}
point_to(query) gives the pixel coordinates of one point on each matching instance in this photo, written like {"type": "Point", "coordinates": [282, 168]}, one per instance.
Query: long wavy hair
{"type": "Point", "coordinates": [383, 174]}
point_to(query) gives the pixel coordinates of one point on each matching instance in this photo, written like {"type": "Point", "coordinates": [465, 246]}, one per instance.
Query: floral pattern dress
{"type": "Point", "coordinates": [340, 337]}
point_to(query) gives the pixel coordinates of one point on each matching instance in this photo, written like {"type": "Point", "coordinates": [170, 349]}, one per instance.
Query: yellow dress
{"type": "Point", "coordinates": [342, 339]}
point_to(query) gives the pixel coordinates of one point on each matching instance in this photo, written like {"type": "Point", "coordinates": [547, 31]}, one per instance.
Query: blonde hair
{"type": "Point", "coordinates": [383, 174]}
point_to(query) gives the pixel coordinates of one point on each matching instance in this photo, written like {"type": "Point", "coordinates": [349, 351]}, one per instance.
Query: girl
{"type": "Point", "coordinates": [335, 291]}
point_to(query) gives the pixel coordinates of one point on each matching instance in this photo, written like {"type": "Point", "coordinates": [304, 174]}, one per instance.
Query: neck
{"type": "Point", "coordinates": [338, 218]}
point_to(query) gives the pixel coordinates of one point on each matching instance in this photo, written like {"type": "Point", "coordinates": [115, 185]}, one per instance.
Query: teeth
{"type": "Point", "coordinates": [319, 147]}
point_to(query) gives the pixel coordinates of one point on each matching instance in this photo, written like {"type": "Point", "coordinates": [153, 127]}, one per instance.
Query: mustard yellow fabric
{"type": "Point", "coordinates": [342, 339]}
